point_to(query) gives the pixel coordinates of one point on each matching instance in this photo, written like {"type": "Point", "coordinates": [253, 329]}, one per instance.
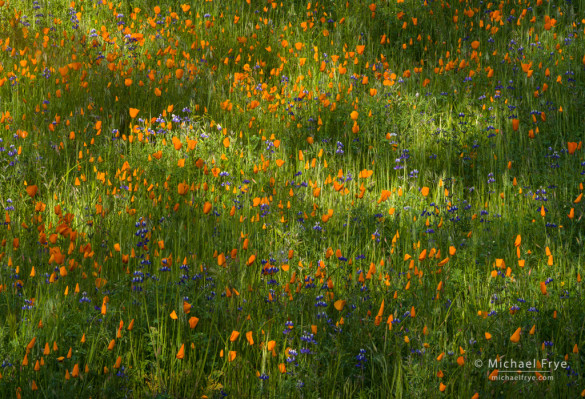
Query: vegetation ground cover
{"type": "Point", "coordinates": [291, 199]}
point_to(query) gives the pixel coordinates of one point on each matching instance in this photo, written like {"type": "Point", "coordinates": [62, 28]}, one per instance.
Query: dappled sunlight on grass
{"type": "Point", "coordinates": [300, 199]}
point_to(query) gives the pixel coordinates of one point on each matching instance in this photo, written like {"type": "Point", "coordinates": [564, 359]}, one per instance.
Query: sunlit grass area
{"type": "Point", "coordinates": [292, 199]}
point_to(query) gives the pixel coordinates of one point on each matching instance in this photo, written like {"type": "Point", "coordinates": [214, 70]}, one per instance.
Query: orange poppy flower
{"type": "Point", "coordinates": [234, 336]}
{"type": "Point", "coordinates": [516, 336]}
{"type": "Point", "coordinates": [181, 353]}
{"type": "Point", "coordinates": [32, 190]}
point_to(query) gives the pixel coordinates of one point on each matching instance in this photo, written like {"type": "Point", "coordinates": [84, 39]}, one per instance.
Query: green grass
{"type": "Point", "coordinates": [275, 179]}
